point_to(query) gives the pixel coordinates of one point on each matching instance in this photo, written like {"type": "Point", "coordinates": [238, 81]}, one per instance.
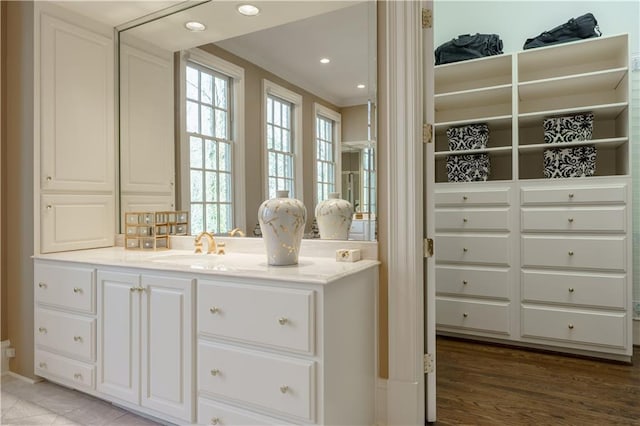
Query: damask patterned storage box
{"type": "Point", "coordinates": [472, 136]}
{"type": "Point", "coordinates": [578, 127]}
{"type": "Point", "coordinates": [468, 168]}
{"type": "Point", "coordinates": [570, 162]}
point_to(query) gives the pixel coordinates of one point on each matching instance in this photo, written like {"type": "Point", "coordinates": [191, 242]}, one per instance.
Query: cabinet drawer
{"type": "Point", "coordinates": [575, 219]}
{"type": "Point", "coordinates": [492, 317]}
{"type": "Point", "coordinates": [592, 194]}
{"type": "Point", "coordinates": [276, 383]}
{"type": "Point", "coordinates": [473, 282]}
{"type": "Point", "coordinates": [80, 374]}
{"type": "Point", "coordinates": [283, 318]}
{"type": "Point", "coordinates": [67, 287]}
{"type": "Point", "coordinates": [473, 219]}
{"type": "Point", "coordinates": [462, 197]}
{"type": "Point", "coordinates": [603, 290]}
{"type": "Point", "coordinates": [594, 328]}
{"type": "Point", "coordinates": [472, 249]}
{"type": "Point", "coordinates": [213, 413]}
{"type": "Point", "coordinates": [68, 334]}
{"type": "Point", "coordinates": [575, 252]}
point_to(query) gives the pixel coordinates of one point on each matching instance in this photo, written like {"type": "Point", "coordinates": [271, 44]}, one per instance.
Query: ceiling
{"type": "Point", "coordinates": [287, 38]}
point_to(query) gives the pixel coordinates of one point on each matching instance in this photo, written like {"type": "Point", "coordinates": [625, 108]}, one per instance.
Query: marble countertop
{"type": "Point", "coordinates": [313, 270]}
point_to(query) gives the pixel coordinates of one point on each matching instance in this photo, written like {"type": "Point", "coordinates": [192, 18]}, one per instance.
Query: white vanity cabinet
{"type": "Point", "coordinates": [145, 341]}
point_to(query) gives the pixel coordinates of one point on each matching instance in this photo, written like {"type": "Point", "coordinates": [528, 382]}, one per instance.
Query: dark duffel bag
{"type": "Point", "coordinates": [585, 26]}
{"type": "Point", "coordinates": [468, 46]}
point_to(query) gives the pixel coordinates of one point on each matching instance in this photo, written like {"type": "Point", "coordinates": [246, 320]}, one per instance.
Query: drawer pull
{"type": "Point", "coordinates": [283, 320]}
{"type": "Point", "coordinates": [42, 285]}
{"type": "Point", "coordinates": [215, 421]}
{"type": "Point", "coordinates": [570, 195]}
{"type": "Point", "coordinates": [215, 372]}
{"type": "Point", "coordinates": [464, 219]}
{"type": "Point", "coordinates": [284, 389]}
{"type": "Point", "coordinates": [570, 253]}
{"type": "Point", "coordinates": [42, 365]}
{"type": "Point", "coordinates": [49, 178]}
{"type": "Point", "coordinates": [42, 330]}
{"type": "Point", "coordinates": [77, 290]}
{"type": "Point", "coordinates": [49, 206]}
{"type": "Point", "coordinates": [464, 197]}
{"type": "Point", "coordinates": [132, 289]}
{"type": "Point", "coordinates": [570, 326]}
{"type": "Point", "coordinates": [77, 376]}
{"type": "Point", "coordinates": [465, 315]}
{"type": "Point", "coordinates": [214, 310]}
{"type": "Point", "coordinates": [77, 339]}
{"type": "Point", "coordinates": [570, 220]}
{"type": "Point", "coordinates": [571, 290]}
{"type": "Point", "coordinates": [465, 282]}
{"type": "Point", "coordinates": [464, 249]}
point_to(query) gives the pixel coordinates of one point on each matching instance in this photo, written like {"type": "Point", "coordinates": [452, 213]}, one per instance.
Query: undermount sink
{"type": "Point", "coordinates": [208, 261]}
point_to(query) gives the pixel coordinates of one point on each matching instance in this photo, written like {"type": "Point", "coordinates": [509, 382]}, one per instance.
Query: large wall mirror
{"type": "Point", "coordinates": [219, 109]}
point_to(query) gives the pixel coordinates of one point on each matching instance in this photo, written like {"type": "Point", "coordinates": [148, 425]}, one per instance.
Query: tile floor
{"type": "Point", "coordinates": [45, 403]}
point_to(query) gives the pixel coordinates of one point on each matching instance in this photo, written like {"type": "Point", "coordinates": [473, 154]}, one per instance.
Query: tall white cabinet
{"type": "Point", "coordinates": [519, 258]}
{"type": "Point", "coordinates": [75, 163]}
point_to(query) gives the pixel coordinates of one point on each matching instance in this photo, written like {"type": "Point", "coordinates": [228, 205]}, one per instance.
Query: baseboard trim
{"type": "Point", "coordinates": [23, 378]}
{"type": "Point", "coordinates": [381, 402]}
{"type": "Point", "coordinates": [403, 403]}
{"type": "Point", "coordinates": [4, 358]}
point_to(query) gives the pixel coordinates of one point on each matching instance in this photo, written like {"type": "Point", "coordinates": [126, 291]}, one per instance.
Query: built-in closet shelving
{"type": "Point", "coordinates": [524, 259]}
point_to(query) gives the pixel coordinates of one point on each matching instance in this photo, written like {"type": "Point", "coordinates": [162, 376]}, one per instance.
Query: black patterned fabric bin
{"type": "Point", "coordinates": [468, 168]}
{"type": "Point", "coordinates": [570, 162]}
{"type": "Point", "coordinates": [473, 136]}
{"type": "Point", "coordinates": [568, 128]}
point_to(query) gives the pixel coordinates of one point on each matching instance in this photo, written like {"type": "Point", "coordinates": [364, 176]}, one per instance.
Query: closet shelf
{"type": "Point", "coordinates": [601, 112]}
{"type": "Point", "coordinates": [498, 150]}
{"type": "Point", "coordinates": [497, 122]}
{"type": "Point", "coordinates": [494, 95]}
{"type": "Point", "coordinates": [604, 143]}
{"type": "Point", "coordinates": [572, 84]}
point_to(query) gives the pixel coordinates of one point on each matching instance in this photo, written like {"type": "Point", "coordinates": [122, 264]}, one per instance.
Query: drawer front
{"type": "Point", "coordinates": [65, 333]}
{"type": "Point", "coordinates": [472, 249]}
{"type": "Point", "coordinates": [284, 318]}
{"type": "Point", "coordinates": [575, 252]}
{"type": "Point", "coordinates": [67, 287]}
{"type": "Point", "coordinates": [491, 317]}
{"type": "Point", "coordinates": [593, 194]}
{"type": "Point", "coordinates": [600, 290]}
{"type": "Point", "coordinates": [473, 282]}
{"type": "Point", "coordinates": [575, 219]}
{"type": "Point", "coordinates": [51, 365]}
{"type": "Point", "coordinates": [473, 219]}
{"type": "Point", "coordinates": [461, 197]}
{"type": "Point", "coordinates": [593, 328]}
{"type": "Point", "coordinates": [275, 383]}
{"type": "Point", "coordinates": [213, 413]}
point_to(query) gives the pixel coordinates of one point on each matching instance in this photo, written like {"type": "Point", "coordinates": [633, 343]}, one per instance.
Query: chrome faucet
{"type": "Point", "coordinates": [211, 242]}
{"type": "Point", "coordinates": [237, 231]}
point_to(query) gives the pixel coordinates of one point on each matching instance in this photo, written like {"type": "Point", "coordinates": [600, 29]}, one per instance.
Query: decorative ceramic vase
{"type": "Point", "coordinates": [334, 217]}
{"type": "Point", "coordinates": [282, 221]}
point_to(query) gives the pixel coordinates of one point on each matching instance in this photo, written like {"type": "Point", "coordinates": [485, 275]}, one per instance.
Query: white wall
{"type": "Point", "coordinates": [516, 20]}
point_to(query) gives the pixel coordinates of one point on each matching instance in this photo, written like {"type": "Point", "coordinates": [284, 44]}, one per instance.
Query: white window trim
{"type": "Point", "coordinates": [337, 138]}
{"type": "Point", "coordinates": [237, 129]}
{"type": "Point", "coordinates": [271, 88]}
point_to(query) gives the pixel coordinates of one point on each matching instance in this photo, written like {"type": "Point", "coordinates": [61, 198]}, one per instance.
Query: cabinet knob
{"type": "Point", "coordinates": [571, 290]}
{"type": "Point", "coordinates": [570, 195]}
{"type": "Point", "coordinates": [77, 290]}
{"type": "Point", "coordinates": [49, 178]}
{"type": "Point", "coordinates": [215, 372]}
{"type": "Point", "coordinates": [42, 365]}
{"type": "Point", "coordinates": [42, 330]}
{"type": "Point", "coordinates": [464, 197]}
{"type": "Point", "coordinates": [570, 220]}
{"type": "Point", "coordinates": [42, 285]}
{"type": "Point", "coordinates": [570, 326]}
{"type": "Point", "coordinates": [465, 315]}
{"type": "Point", "coordinates": [283, 320]}
{"type": "Point", "coordinates": [465, 282]}
{"type": "Point", "coordinates": [464, 249]}
{"type": "Point", "coordinates": [214, 310]}
{"type": "Point", "coordinates": [284, 388]}
{"type": "Point", "coordinates": [215, 421]}
{"type": "Point", "coordinates": [49, 206]}
{"type": "Point", "coordinates": [464, 219]}
{"type": "Point", "coordinates": [77, 339]}
{"type": "Point", "coordinates": [132, 289]}
{"type": "Point", "coordinates": [77, 376]}
{"type": "Point", "coordinates": [570, 253]}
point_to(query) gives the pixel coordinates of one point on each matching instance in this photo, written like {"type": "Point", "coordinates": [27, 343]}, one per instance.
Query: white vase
{"type": "Point", "coordinates": [282, 221]}
{"type": "Point", "coordinates": [334, 216]}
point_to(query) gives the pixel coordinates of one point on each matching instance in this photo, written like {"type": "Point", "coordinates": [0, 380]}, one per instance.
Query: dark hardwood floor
{"type": "Point", "coordinates": [481, 384]}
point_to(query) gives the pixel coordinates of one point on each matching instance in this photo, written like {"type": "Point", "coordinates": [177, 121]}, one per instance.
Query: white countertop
{"type": "Point", "coordinates": [313, 270]}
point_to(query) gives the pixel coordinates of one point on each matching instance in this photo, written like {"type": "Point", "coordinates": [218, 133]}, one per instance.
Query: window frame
{"type": "Point", "coordinates": [336, 117]}
{"type": "Point", "coordinates": [271, 88]}
{"type": "Point", "coordinates": [237, 132]}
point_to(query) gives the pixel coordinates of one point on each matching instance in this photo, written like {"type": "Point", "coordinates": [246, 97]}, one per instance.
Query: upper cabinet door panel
{"type": "Point", "coordinates": [77, 108]}
{"type": "Point", "coordinates": [146, 114]}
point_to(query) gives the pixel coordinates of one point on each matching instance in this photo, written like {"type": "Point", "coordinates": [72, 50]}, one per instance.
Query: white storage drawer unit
{"type": "Point", "coordinates": [473, 281]}
{"type": "Point", "coordinates": [465, 219]}
{"type": "Point", "coordinates": [468, 248]}
{"type": "Point", "coordinates": [68, 287]}
{"type": "Point", "coordinates": [484, 316]}
{"type": "Point", "coordinates": [66, 333]}
{"type": "Point", "coordinates": [211, 413]}
{"type": "Point", "coordinates": [575, 219]}
{"type": "Point", "coordinates": [576, 194]}
{"type": "Point", "coordinates": [468, 196]}
{"type": "Point", "coordinates": [70, 371]}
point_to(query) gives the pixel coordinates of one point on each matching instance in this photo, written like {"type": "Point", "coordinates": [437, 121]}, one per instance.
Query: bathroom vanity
{"type": "Point", "coordinates": [210, 339]}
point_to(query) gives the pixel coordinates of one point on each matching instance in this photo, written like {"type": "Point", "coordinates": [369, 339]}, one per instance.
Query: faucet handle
{"type": "Point", "coordinates": [220, 248]}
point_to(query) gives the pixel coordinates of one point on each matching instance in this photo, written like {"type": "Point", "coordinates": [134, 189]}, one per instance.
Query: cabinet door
{"type": "Point", "coordinates": [76, 97]}
{"type": "Point", "coordinates": [119, 335]}
{"type": "Point", "coordinates": [167, 354]}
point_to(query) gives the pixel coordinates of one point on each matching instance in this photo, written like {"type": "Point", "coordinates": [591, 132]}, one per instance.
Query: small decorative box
{"type": "Point", "coordinates": [568, 128]}
{"type": "Point", "coordinates": [472, 136]}
{"type": "Point", "coordinates": [468, 168]}
{"type": "Point", "coordinates": [151, 230]}
{"type": "Point", "coordinates": [570, 162]}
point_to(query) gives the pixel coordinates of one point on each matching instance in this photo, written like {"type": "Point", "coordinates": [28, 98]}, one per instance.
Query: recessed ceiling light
{"type": "Point", "coordinates": [248, 10]}
{"type": "Point", "coordinates": [361, 86]}
{"type": "Point", "coordinates": [195, 26]}
{"type": "Point", "coordinates": [325, 60]}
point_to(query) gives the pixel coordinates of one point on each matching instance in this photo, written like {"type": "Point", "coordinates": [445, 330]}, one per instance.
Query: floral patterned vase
{"type": "Point", "coordinates": [334, 217]}
{"type": "Point", "coordinates": [282, 221]}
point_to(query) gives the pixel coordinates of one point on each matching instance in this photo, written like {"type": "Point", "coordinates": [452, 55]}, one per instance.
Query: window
{"type": "Point", "coordinates": [211, 170]}
{"type": "Point", "coordinates": [327, 152]}
{"type": "Point", "coordinates": [283, 144]}
{"type": "Point", "coordinates": [368, 180]}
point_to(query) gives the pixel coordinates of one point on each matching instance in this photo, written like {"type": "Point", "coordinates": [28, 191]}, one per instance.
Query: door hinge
{"type": "Point", "coordinates": [427, 18]}
{"type": "Point", "coordinates": [428, 247]}
{"type": "Point", "coordinates": [427, 133]}
{"type": "Point", "coordinates": [429, 364]}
